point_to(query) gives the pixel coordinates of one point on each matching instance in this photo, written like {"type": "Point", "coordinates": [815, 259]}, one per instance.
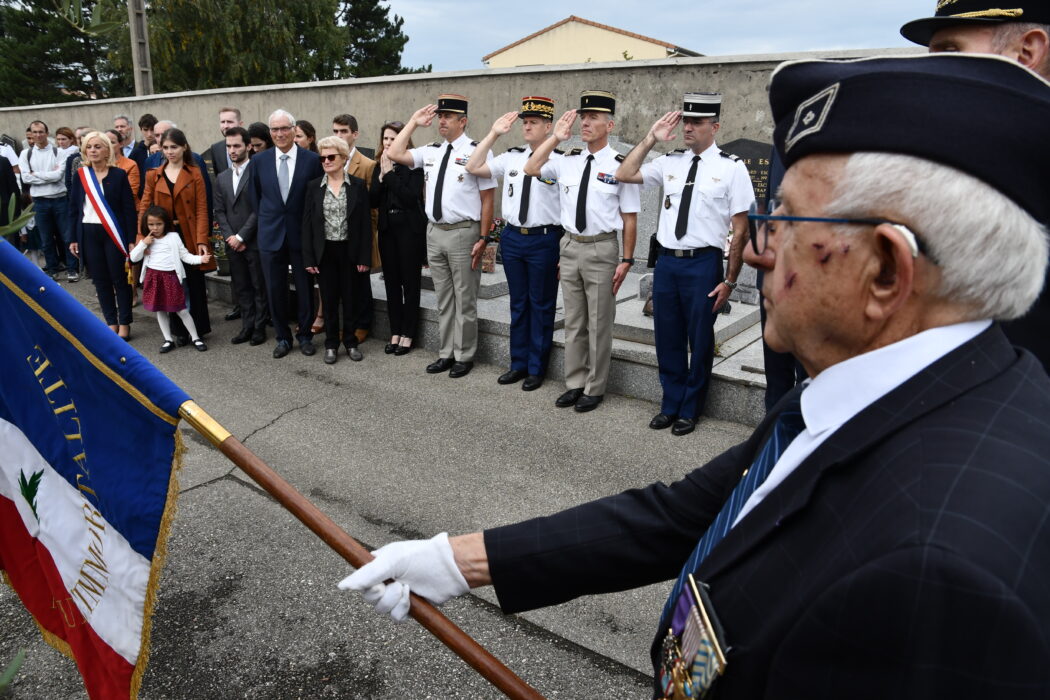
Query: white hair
{"type": "Point", "coordinates": [280, 113]}
{"type": "Point", "coordinates": [991, 253]}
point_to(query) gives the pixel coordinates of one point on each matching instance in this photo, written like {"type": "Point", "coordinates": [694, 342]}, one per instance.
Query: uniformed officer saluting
{"type": "Point", "coordinates": [530, 239]}
{"type": "Point", "coordinates": [456, 202]}
{"type": "Point", "coordinates": [705, 190]}
{"type": "Point", "coordinates": [595, 206]}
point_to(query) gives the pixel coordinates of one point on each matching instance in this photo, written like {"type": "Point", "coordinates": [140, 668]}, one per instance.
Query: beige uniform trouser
{"type": "Point", "coordinates": [590, 308]}
{"type": "Point", "coordinates": [456, 286]}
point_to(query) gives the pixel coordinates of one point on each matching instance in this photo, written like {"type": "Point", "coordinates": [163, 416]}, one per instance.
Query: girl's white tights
{"type": "Point", "coordinates": [187, 320]}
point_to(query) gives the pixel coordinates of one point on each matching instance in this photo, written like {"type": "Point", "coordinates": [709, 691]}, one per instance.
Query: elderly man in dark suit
{"type": "Point", "coordinates": [278, 178]}
{"type": "Point", "coordinates": [239, 224]}
{"type": "Point", "coordinates": [884, 533]}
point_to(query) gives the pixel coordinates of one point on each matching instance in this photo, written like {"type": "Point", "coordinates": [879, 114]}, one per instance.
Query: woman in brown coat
{"type": "Point", "coordinates": [178, 187]}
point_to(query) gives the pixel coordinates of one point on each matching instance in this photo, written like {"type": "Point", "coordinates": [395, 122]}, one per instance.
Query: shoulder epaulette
{"type": "Point", "coordinates": [575, 152]}
{"type": "Point", "coordinates": [436, 144]}
{"type": "Point", "coordinates": [473, 143]}
{"type": "Point", "coordinates": [730, 156]}
{"type": "Point", "coordinates": [559, 151]}
{"type": "Point", "coordinates": [677, 151]}
{"type": "Point", "coordinates": [620, 157]}
{"type": "Point", "coordinates": [516, 149]}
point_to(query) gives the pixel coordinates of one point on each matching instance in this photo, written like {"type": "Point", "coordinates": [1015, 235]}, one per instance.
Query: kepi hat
{"type": "Point", "coordinates": [542, 107]}
{"type": "Point", "coordinates": [976, 12]}
{"type": "Point", "coordinates": [702, 104]}
{"type": "Point", "coordinates": [597, 101]}
{"type": "Point", "coordinates": [452, 103]}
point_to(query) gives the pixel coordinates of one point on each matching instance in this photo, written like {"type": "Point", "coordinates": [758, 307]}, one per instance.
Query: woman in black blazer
{"type": "Point", "coordinates": [337, 238]}
{"type": "Point", "coordinates": [397, 192]}
{"type": "Point", "coordinates": [104, 261]}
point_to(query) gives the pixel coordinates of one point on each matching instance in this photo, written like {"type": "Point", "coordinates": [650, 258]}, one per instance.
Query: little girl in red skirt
{"type": "Point", "coordinates": [163, 273]}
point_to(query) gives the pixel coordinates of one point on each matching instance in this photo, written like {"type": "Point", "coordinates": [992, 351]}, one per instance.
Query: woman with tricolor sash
{"type": "Point", "coordinates": [102, 213]}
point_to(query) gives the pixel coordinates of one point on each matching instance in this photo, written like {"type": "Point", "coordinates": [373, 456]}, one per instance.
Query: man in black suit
{"type": "Point", "coordinates": [238, 223]}
{"type": "Point", "coordinates": [229, 117]}
{"type": "Point", "coordinates": [278, 178]}
{"type": "Point", "coordinates": [884, 532]}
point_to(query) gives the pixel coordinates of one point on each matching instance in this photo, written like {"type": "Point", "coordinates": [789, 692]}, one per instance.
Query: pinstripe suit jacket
{"type": "Point", "coordinates": [907, 557]}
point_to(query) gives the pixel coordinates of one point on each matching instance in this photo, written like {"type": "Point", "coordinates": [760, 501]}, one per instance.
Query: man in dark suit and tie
{"type": "Point", "coordinates": [278, 178]}
{"type": "Point", "coordinates": [229, 117]}
{"type": "Point", "coordinates": [884, 533]}
{"type": "Point", "coordinates": [239, 223]}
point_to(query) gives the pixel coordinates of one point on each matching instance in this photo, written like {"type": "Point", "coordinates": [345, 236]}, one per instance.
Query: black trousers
{"type": "Point", "coordinates": [403, 249]}
{"type": "Point", "coordinates": [105, 264]}
{"type": "Point", "coordinates": [783, 371]}
{"type": "Point", "coordinates": [197, 299]}
{"type": "Point", "coordinates": [275, 273]}
{"type": "Point", "coordinates": [249, 287]}
{"type": "Point", "coordinates": [362, 311]}
{"type": "Point", "coordinates": [339, 282]}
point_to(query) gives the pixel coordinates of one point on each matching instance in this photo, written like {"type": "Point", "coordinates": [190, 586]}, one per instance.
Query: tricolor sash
{"type": "Point", "coordinates": [94, 193]}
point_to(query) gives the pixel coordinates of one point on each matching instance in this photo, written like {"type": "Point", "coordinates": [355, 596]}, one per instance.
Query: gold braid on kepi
{"type": "Point", "coordinates": [597, 101]}
{"type": "Point", "coordinates": [953, 13]}
{"type": "Point", "coordinates": [542, 107]}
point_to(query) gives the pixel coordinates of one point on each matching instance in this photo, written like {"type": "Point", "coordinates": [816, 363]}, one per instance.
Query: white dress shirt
{"type": "Point", "coordinates": [721, 189]}
{"type": "Point", "coordinates": [544, 208]}
{"type": "Point", "coordinates": [292, 153]}
{"type": "Point", "coordinates": [606, 196]}
{"type": "Point", "coordinates": [460, 196]}
{"type": "Point", "coordinates": [842, 391]}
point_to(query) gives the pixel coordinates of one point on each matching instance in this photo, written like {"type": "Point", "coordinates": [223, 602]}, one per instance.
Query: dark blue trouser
{"type": "Point", "coordinates": [53, 228]}
{"type": "Point", "coordinates": [684, 321]}
{"type": "Point", "coordinates": [531, 265]}
{"type": "Point", "coordinates": [105, 262]}
{"type": "Point", "coordinates": [275, 273]}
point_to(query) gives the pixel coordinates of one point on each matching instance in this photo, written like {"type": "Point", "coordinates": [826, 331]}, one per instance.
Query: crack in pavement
{"type": "Point", "coordinates": [277, 418]}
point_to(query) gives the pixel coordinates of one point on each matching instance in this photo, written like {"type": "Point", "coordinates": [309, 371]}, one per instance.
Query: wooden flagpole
{"type": "Point", "coordinates": [423, 611]}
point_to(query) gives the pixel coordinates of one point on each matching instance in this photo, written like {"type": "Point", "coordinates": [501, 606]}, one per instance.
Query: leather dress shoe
{"type": "Point", "coordinates": [258, 337]}
{"type": "Point", "coordinates": [683, 426]}
{"type": "Point", "coordinates": [354, 353]}
{"type": "Point", "coordinates": [282, 348]}
{"type": "Point", "coordinates": [442, 364]}
{"type": "Point", "coordinates": [569, 398]}
{"type": "Point", "coordinates": [307, 348]}
{"type": "Point", "coordinates": [402, 350]}
{"type": "Point", "coordinates": [331, 356]}
{"type": "Point", "coordinates": [587, 403]}
{"type": "Point", "coordinates": [512, 377]}
{"type": "Point", "coordinates": [460, 369]}
{"type": "Point", "coordinates": [234, 315]}
{"type": "Point", "coordinates": [532, 382]}
{"type": "Point", "coordinates": [661, 421]}
{"type": "Point", "coordinates": [243, 337]}
{"type": "Point", "coordinates": [390, 348]}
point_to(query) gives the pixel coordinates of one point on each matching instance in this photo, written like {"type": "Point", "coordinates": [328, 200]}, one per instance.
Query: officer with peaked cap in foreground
{"type": "Point", "coordinates": [884, 532]}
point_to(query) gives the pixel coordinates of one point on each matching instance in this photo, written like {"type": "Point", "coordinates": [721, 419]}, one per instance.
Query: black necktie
{"type": "Point", "coordinates": [441, 183]}
{"type": "Point", "coordinates": [581, 199]}
{"type": "Point", "coordinates": [523, 210]}
{"type": "Point", "coordinates": [687, 196]}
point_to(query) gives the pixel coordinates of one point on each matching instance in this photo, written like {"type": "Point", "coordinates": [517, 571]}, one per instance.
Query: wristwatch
{"type": "Point", "coordinates": [629, 261]}
{"type": "Point", "coordinates": [731, 285]}
{"type": "Point", "coordinates": [488, 239]}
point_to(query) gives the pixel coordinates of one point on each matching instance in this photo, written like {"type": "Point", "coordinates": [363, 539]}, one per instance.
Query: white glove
{"type": "Point", "coordinates": [425, 567]}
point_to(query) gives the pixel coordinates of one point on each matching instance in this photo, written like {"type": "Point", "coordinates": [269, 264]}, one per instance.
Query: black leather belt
{"type": "Point", "coordinates": [535, 230]}
{"type": "Point", "coordinates": [689, 252]}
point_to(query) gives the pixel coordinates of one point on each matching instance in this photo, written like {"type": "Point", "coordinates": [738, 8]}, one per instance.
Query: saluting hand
{"type": "Point", "coordinates": [563, 129]}
{"type": "Point", "coordinates": [664, 128]}
{"type": "Point", "coordinates": [425, 115]}
{"type": "Point", "coordinates": [505, 123]}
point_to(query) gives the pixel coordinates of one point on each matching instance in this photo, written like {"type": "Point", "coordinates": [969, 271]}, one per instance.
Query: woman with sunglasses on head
{"type": "Point", "coordinates": [397, 194]}
{"type": "Point", "coordinates": [337, 238]}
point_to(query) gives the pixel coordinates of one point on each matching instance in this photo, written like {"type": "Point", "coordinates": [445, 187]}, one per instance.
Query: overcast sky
{"type": "Point", "coordinates": [455, 35]}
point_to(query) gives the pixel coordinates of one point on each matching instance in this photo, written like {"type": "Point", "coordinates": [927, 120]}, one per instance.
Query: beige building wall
{"type": "Point", "coordinates": [574, 42]}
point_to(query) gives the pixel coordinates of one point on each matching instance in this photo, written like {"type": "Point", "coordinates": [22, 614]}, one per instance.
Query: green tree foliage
{"type": "Point", "coordinates": [373, 41]}
{"type": "Point", "coordinates": [44, 59]}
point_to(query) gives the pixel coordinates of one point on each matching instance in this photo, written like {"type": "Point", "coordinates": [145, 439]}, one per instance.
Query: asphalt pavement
{"type": "Point", "coordinates": [248, 605]}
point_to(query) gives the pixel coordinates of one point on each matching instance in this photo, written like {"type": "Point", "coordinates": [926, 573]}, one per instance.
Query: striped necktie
{"type": "Point", "coordinates": [787, 426]}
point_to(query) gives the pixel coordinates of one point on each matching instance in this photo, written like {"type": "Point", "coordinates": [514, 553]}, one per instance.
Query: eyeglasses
{"type": "Point", "coordinates": [330, 157]}
{"type": "Point", "coordinates": [756, 224]}
{"type": "Point", "coordinates": [281, 129]}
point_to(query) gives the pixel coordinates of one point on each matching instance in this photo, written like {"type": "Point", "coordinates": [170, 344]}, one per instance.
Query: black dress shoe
{"type": "Point", "coordinates": [661, 421]}
{"type": "Point", "coordinates": [307, 348]}
{"type": "Point", "coordinates": [167, 346]}
{"type": "Point", "coordinates": [532, 382]}
{"type": "Point", "coordinates": [243, 337]}
{"type": "Point", "coordinates": [402, 350]}
{"type": "Point", "coordinates": [282, 348]}
{"type": "Point", "coordinates": [258, 337]}
{"type": "Point", "coordinates": [442, 364]}
{"type": "Point", "coordinates": [569, 398]}
{"type": "Point", "coordinates": [390, 348]}
{"type": "Point", "coordinates": [683, 426]}
{"type": "Point", "coordinates": [512, 377]}
{"type": "Point", "coordinates": [331, 356]}
{"type": "Point", "coordinates": [354, 353]}
{"type": "Point", "coordinates": [234, 315]}
{"type": "Point", "coordinates": [587, 403]}
{"type": "Point", "coordinates": [460, 369]}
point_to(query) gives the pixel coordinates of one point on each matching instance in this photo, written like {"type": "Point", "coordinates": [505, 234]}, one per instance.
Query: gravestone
{"type": "Point", "coordinates": [756, 156]}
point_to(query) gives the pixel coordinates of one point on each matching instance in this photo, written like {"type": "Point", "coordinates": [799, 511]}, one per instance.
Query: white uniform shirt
{"type": "Point", "coordinates": [722, 188]}
{"type": "Point", "coordinates": [544, 208]}
{"type": "Point", "coordinates": [460, 197]}
{"type": "Point", "coordinates": [606, 196]}
{"type": "Point", "coordinates": [842, 391]}
{"type": "Point", "coordinates": [9, 153]}
{"type": "Point", "coordinates": [48, 167]}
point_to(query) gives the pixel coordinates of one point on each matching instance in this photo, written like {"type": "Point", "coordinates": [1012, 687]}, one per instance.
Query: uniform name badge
{"type": "Point", "coordinates": [692, 654]}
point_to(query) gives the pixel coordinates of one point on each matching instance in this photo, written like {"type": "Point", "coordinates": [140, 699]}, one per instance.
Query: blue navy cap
{"type": "Point", "coordinates": [984, 115]}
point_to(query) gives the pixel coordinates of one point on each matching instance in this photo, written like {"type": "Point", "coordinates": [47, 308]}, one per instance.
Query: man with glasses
{"type": "Point", "coordinates": [883, 533]}
{"type": "Point", "coordinates": [277, 182]}
{"type": "Point", "coordinates": [707, 193]}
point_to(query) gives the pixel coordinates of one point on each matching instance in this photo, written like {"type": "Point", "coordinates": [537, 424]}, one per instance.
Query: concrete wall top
{"type": "Point", "coordinates": [645, 90]}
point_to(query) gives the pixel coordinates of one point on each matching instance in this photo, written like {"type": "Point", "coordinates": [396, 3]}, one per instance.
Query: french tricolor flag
{"type": "Point", "coordinates": [88, 453]}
